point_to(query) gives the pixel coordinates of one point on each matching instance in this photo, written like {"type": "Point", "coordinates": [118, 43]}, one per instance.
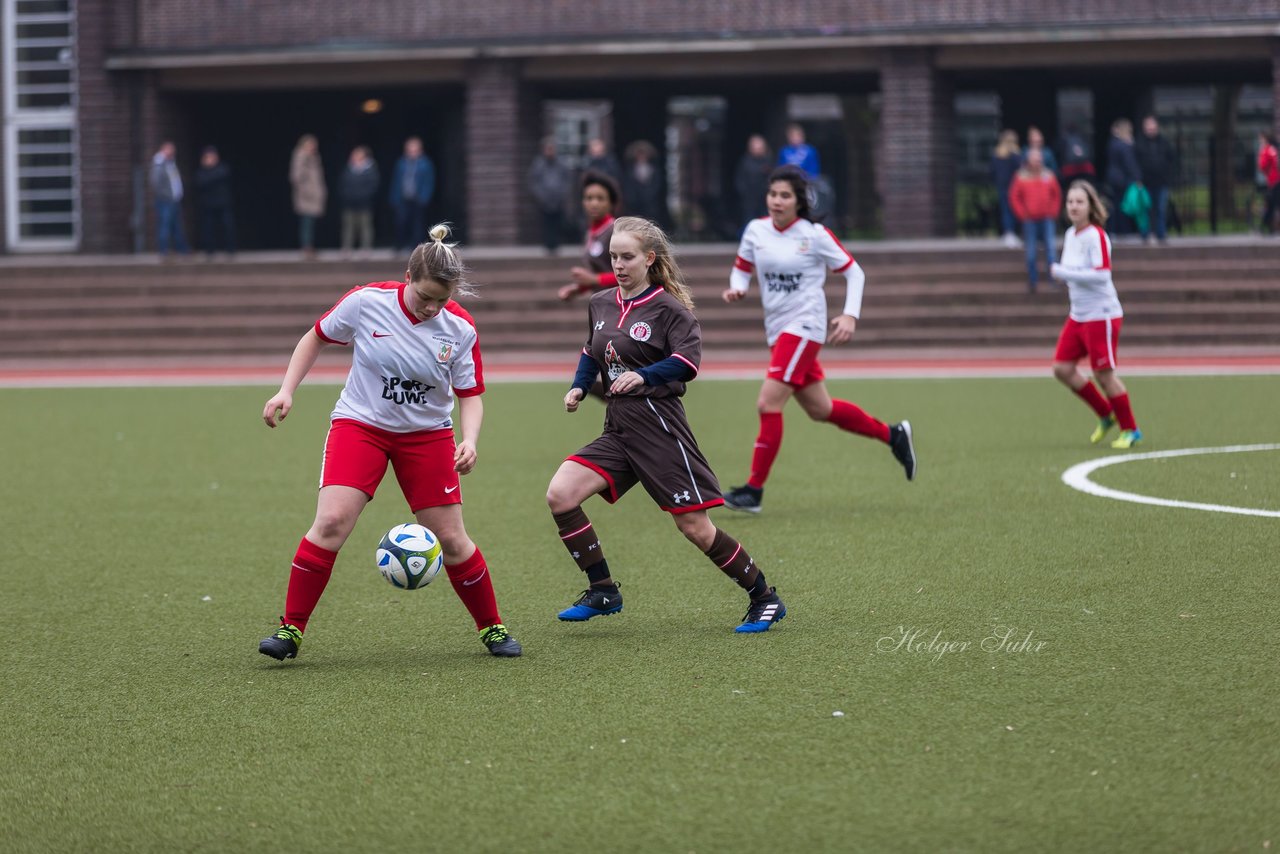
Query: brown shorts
{"type": "Point", "coordinates": [648, 441]}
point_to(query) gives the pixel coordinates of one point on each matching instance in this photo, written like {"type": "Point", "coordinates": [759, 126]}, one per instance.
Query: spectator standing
{"type": "Point", "coordinates": [1157, 163]}
{"type": "Point", "coordinates": [751, 180]}
{"type": "Point", "coordinates": [167, 190]}
{"type": "Point", "coordinates": [213, 188]}
{"type": "Point", "coordinates": [310, 194]}
{"type": "Point", "coordinates": [1269, 166]}
{"type": "Point", "coordinates": [601, 160]}
{"type": "Point", "coordinates": [642, 183]}
{"type": "Point", "coordinates": [1035, 141]}
{"type": "Point", "coordinates": [358, 187]}
{"type": "Point", "coordinates": [1076, 162]}
{"type": "Point", "coordinates": [799, 153]}
{"type": "Point", "coordinates": [1005, 160]}
{"type": "Point", "coordinates": [1036, 198]}
{"type": "Point", "coordinates": [549, 181]}
{"type": "Point", "coordinates": [412, 185]}
{"type": "Point", "coordinates": [1122, 172]}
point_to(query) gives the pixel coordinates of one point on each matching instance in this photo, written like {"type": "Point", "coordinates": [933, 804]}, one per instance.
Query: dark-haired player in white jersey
{"type": "Point", "coordinates": [1093, 327]}
{"type": "Point", "coordinates": [790, 254]}
{"type": "Point", "coordinates": [645, 340]}
{"type": "Point", "coordinates": [413, 349]}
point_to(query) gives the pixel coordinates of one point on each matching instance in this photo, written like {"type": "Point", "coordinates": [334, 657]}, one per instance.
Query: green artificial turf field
{"type": "Point", "coordinates": [1132, 705]}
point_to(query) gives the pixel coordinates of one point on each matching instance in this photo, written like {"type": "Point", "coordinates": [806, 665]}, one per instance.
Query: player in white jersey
{"type": "Point", "coordinates": [1093, 327]}
{"type": "Point", "coordinates": [414, 349]}
{"type": "Point", "coordinates": [790, 254]}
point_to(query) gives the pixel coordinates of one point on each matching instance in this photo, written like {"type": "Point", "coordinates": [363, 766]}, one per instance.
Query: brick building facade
{"type": "Point", "coordinates": [474, 77]}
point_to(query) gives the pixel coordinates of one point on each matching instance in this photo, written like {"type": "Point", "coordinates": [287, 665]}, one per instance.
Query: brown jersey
{"type": "Point", "coordinates": [646, 436]}
{"type": "Point", "coordinates": [626, 334]}
{"type": "Point", "coordinates": [595, 252]}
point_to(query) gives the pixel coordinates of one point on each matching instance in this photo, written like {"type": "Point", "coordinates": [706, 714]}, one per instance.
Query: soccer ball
{"type": "Point", "coordinates": [409, 556]}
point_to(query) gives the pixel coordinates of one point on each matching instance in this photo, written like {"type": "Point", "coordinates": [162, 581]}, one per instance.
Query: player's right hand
{"type": "Point", "coordinates": [567, 292]}
{"type": "Point", "coordinates": [280, 403]}
{"type": "Point", "coordinates": [730, 295]}
{"type": "Point", "coordinates": [572, 399]}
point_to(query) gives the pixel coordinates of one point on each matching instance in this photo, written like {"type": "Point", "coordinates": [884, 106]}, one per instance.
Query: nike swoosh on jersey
{"type": "Point", "coordinates": [449, 489]}
{"type": "Point", "coordinates": [383, 334]}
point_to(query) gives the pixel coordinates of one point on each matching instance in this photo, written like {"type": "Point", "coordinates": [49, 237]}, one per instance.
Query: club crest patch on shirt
{"type": "Point", "coordinates": [613, 362]}
{"type": "Point", "coordinates": [803, 246]}
{"type": "Point", "coordinates": [445, 351]}
{"type": "Point", "coordinates": [640, 331]}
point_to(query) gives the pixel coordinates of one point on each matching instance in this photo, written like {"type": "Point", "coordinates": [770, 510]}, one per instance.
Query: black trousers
{"type": "Point", "coordinates": [214, 220]}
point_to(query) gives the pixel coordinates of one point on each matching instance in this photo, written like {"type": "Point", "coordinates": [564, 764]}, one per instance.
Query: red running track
{"type": "Point", "coordinates": [539, 368]}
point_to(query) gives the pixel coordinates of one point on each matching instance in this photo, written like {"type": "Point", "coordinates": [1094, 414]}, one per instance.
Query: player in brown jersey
{"type": "Point", "coordinates": [643, 337]}
{"type": "Point", "coordinates": [600, 198]}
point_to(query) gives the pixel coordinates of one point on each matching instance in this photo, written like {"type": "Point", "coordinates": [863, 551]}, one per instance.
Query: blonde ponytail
{"type": "Point", "coordinates": [440, 261]}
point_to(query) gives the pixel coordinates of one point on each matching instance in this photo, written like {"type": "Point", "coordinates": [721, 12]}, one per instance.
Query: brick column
{"type": "Point", "coordinates": [106, 143]}
{"type": "Point", "coordinates": [1275, 86]}
{"type": "Point", "coordinates": [501, 136]}
{"type": "Point", "coordinates": [917, 175]}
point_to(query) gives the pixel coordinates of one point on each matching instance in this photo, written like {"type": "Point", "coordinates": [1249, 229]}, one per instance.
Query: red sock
{"type": "Point", "coordinates": [847, 416]}
{"type": "Point", "coordinates": [1124, 412]}
{"type": "Point", "coordinates": [768, 443]}
{"type": "Point", "coordinates": [312, 567]}
{"type": "Point", "coordinates": [470, 579]}
{"type": "Point", "coordinates": [1089, 394]}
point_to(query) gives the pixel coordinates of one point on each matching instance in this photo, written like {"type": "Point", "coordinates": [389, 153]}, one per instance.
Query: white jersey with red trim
{"type": "Point", "coordinates": [1086, 268]}
{"type": "Point", "coordinates": [404, 371]}
{"type": "Point", "coordinates": [791, 266]}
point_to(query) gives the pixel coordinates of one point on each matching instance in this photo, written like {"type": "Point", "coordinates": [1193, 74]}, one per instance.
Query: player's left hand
{"type": "Point", "coordinates": [1056, 271]}
{"type": "Point", "coordinates": [464, 457]}
{"type": "Point", "coordinates": [842, 329]}
{"type": "Point", "coordinates": [627, 382]}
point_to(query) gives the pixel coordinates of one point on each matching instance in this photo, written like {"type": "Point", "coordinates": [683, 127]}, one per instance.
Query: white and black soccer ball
{"type": "Point", "coordinates": [409, 556]}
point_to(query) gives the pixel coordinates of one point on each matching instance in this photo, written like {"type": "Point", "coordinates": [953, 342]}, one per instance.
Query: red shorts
{"type": "Point", "coordinates": [1096, 338]}
{"type": "Point", "coordinates": [794, 361]}
{"type": "Point", "coordinates": [356, 455]}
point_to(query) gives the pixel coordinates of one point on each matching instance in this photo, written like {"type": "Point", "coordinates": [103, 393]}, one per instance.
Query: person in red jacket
{"type": "Point", "coordinates": [1035, 197]}
{"type": "Point", "coordinates": [1269, 166]}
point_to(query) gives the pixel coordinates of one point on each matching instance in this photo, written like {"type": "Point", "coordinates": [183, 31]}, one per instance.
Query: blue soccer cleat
{"type": "Point", "coordinates": [594, 602]}
{"type": "Point", "coordinates": [763, 613]}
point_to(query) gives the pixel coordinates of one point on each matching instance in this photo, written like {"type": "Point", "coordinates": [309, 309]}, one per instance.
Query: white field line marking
{"type": "Point", "coordinates": [1077, 477]}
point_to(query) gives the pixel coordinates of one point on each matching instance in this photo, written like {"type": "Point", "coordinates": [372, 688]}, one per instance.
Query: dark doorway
{"type": "Point", "coordinates": [255, 132]}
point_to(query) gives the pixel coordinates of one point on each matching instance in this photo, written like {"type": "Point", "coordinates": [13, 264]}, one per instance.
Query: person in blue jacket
{"type": "Point", "coordinates": [412, 185]}
{"type": "Point", "coordinates": [799, 153]}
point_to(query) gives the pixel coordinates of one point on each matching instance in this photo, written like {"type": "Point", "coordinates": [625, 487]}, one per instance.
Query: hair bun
{"type": "Point", "coordinates": [439, 232]}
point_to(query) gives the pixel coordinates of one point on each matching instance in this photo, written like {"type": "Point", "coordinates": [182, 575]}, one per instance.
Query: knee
{"type": "Point", "coordinates": [698, 531]}
{"type": "Point", "coordinates": [331, 527]}
{"type": "Point", "coordinates": [1063, 372]}
{"type": "Point", "coordinates": [559, 499]}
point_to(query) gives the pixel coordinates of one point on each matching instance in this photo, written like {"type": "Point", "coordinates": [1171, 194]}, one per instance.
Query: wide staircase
{"type": "Point", "coordinates": [944, 295]}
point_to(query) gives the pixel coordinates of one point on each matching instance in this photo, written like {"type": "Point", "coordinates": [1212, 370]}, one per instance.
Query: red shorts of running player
{"type": "Point", "coordinates": [1098, 339]}
{"type": "Point", "coordinates": [794, 361]}
{"type": "Point", "coordinates": [356, 455]}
